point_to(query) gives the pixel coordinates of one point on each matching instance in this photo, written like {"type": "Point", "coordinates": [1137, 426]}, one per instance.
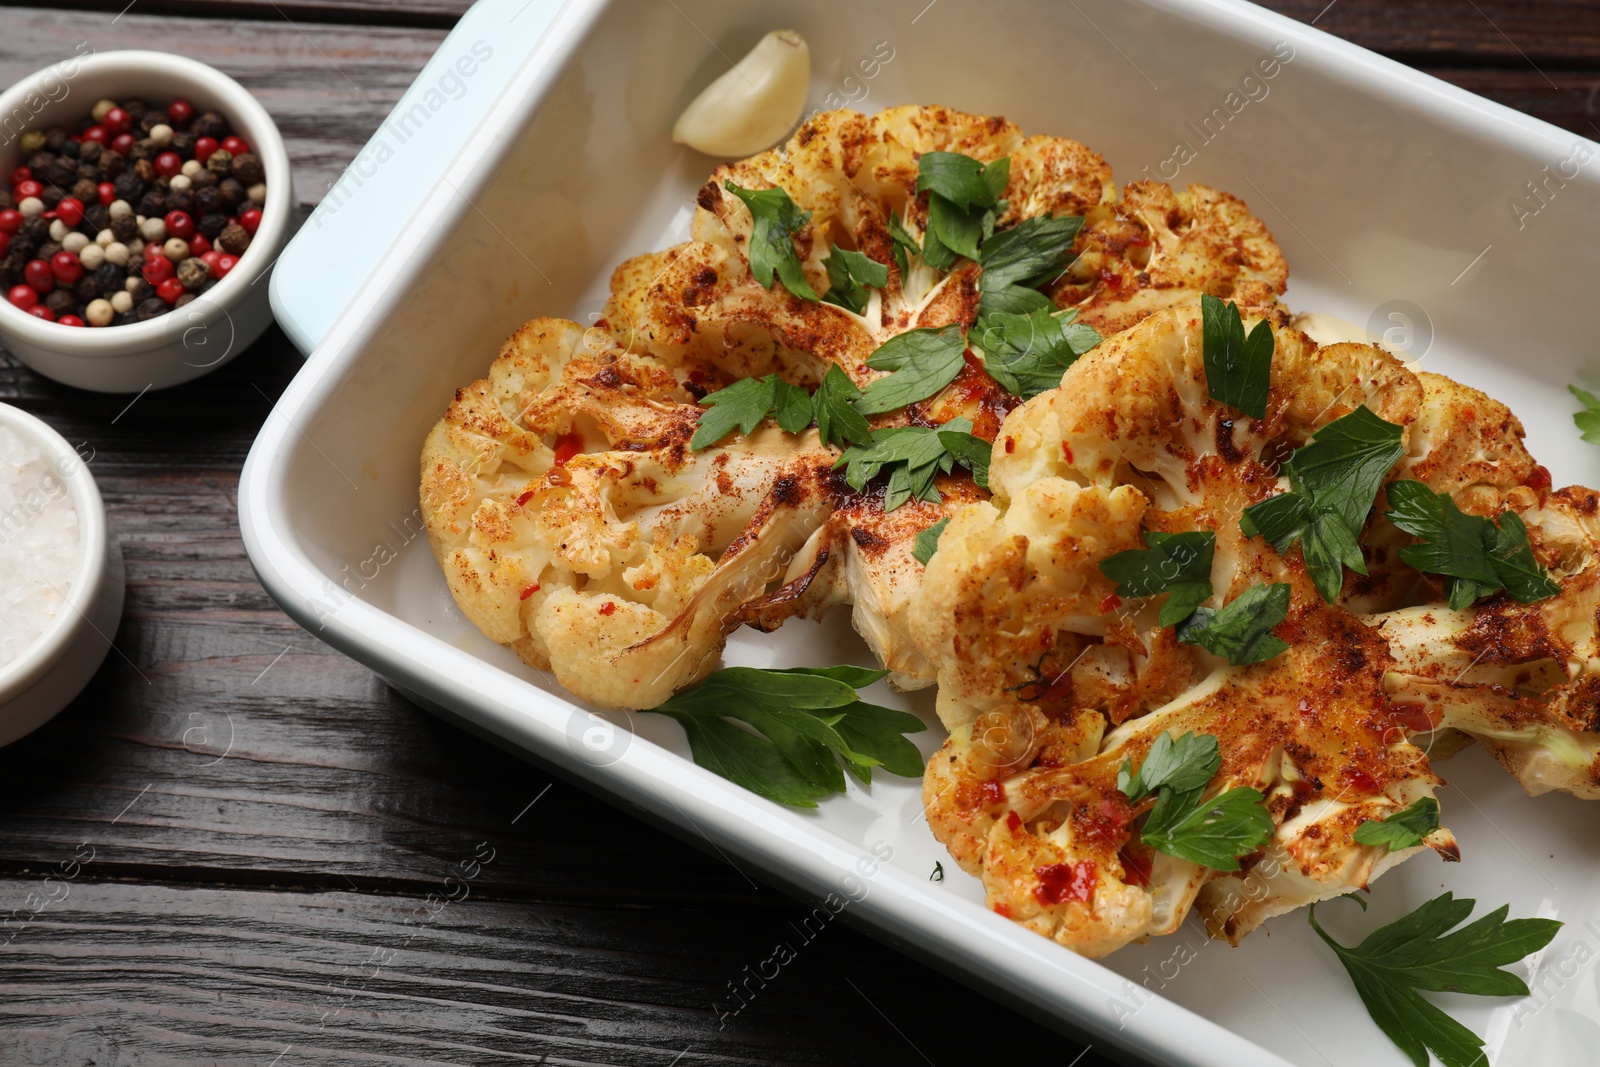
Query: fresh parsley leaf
{"type": "Point", "coordinates": [1238, 368]}
{"type": "Point", "coordinates": [928, 541]}
{"type": "Point", "coordinates": [1587, 420]}
{"type": "Point", "coordinates": [1028, 353]}
{"type": "Point", "coordinates": [1185, 764]}
{"type": "Point", "coordinates": [849, 276]}
{"type": "Point", "coordinates": [1029, 254]}
{"type": "Point", "coordinates": [1402, 830]}
{"type": "Point", "coordinates": [777, 220]}
{"type": "Point", "coordinates": [1418, 952]}
{"type": "Point", "coordinates": [924, 361]}
{"type": "Point", "coordinates": [1335, 478]}
{"type": "Point", "coordinates": [1176, 564]}
{"type": "Point", "coordinates": [1478, 555]}
{"type": "Point", "coordinates": [834, 410]}
{"type": "Point", "coordinates": [743, 404]}
{"type": "Point", "coordinates": [1012, 300]}
{"type": "Point", "coordinates": [809, 719]}
{"type": "Point", "coordinates": [1213, 833]}
{"type": "Point", "coordinates": [791, 405]}
{"type": "Point", "coordinates": [963, 204]}
{"type": "Point", "coordinates": [904, 244]}
{"type": "Point", "coordinates": [914, 456]}
{"type": "Point", "coordinates": [1241, 630]}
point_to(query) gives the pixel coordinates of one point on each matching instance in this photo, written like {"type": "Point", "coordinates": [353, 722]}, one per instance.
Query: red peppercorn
{"type": "Point", "coordinates": [39, 311]}
{"type": "Point", "coordinates": [5, 243]}
{"type": "Point", "coordinates": [153, 250]}
{"type": "Point", "coordinates": [157, 269]}
{"type": "Point", "coordinates": [122, 144]}
{"type": "Point", "coordinates": [66, 267]}
{"type": "Point", "coordinates": [23, 190]}
{"type": "Point", "coordinates": [70, 210]}
{"type": "Point", "coordinates": [23, 297]}
{"type": "Point", "coordinates": [179, 224]}
{"type": "Point", "coordinates": [20, 175]}
{"type": "Point", "coordinates": [97, 133]}
{"type": "Point", "coordinates": [198, 245]}
{"type": "Point", "coordinates": [10, 220]}
{"type": "Point", "coordinates": [204, 146]}
{"type": "Point", "coordinates": [170, 290]}
{"type": "Point", "coordinates": [180, 111]}
{"type": "Point", "coordinates": [50, 216]}
{"type": "Point", "coordinates": [225, 263]}
{"type": "Point", "coordinates": [250, 220]}
{"type": "Point", "coordinates": [235, 146]}
{"type": "Point", "coordinates": [168, 163]}
{"type": "Point", "coordinates": [106, 193]}
{"type": "Point", "coordinates": [117, 120]}
{"type": "Point", "coordinates": [210, 257]}
{"type": "Point", "coordinates": [69, 320]}
{"type": "Point", "coordinates": [37, 274]}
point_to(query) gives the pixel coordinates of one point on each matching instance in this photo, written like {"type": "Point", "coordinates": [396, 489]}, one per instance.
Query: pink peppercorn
{"type": "Point", "coordinates": [204, 146]}
{"type": "Point", "coordinates": [210, 257]}
{"type": "Point", "coordinates": [180, 111]}
{"type": "Point", "coordinates": [170, 290]}
{"type": "Point", "coordinates": [98, 134]}
{"type": "Point", "coordinates": [106, 193]}
{"type": "Point", "coordinates": [225, 263]}
{"type": "Point", "coordinates": [199, 245]}
{"type": "Point", "coordinates": [157, 269]}
{"type": "Point", "coordinates": [234, 146]}
{"type": "Point", "coordinates": [22, 296]}
{"type": "Point", "coordinates": [179, 224]}
{"type": "Point", "coordinates": [20, 175]}
{"type": "Point", "coordinates": [66, 267]}
{"type": "Point", "coordinates": [37, 275]}
{"type": "Point", "coordinates": [251, 221]}
{"type": "Point", "coordinates": [39, 311]}
{"type": "Point", "coordinates": [10, 220]}
{"type": "Point", "coordinates": [168, 163]}
{"type": "Point", "coordinates": [69, 320]}
{"type": "Point", "coordinates": [70, 210]}
{"type": "Point", "coordinates": [122, 144]}
{"type": "Point", "coordinates": [117, 120]}
{"type": "Point", "coordinates": [23, 190]}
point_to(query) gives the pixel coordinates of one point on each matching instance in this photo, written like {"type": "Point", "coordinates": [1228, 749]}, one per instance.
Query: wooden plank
{"type": "Point", "coordinates": [156, 974]}
{"type": "Point", "coordinates": [327, 95]}
{"type": "Point", "coordinates": [1514, 34]}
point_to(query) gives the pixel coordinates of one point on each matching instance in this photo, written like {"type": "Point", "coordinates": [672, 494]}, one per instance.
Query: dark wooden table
{"type": "Point", "coordinates": [258, 831]}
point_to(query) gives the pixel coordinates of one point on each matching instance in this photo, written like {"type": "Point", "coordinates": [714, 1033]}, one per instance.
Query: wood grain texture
{"type": "Point", "coordinates": [267, 818]}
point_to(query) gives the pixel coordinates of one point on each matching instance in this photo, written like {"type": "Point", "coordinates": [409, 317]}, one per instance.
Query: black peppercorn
{"type": "Point", "coordinates": [88, 151]}
{"type": "Point", "coordinates": [234, 239]}
{"type": "Point", "coordinates": [47, 250]}
{"type": "Point", "coordinates": [145, 150]}
{"type": "Point", "coordinates": [51, 196]}
{"type": "Point", "coordinates": [129, 186]}
{"type": "Point", "coordinates": [210, 124]}
{"type": "Point", "coordinates": [124, 318]}
{"type": "Point", "coordinates": [220, 163]}
{"type": "Point", "coordinates": [185, 298]}
{"type": "Point", "coordinates": [135, 108]}
{"type": "Point", "coordinates": [71, 149]}
{"type": "Point", "coordinates": [62, 172]}
{"type": "Point", "coordinates": [183, 144]}
{"type": "Point", "coordinates": [40, 162]}
{"type": "Point", "coordinates": [11, 266]}
{"type": "Point", "coordinates": [211, 225]}
{"type": "Point", "coordinates": [149, 309]}
{"type": "Point", "coordinates": [85, 190]}
{"type": "Point", "coordinates": [35, 229]}
{"type": "Point", "coordinates": [124, 227]}
{"type": "Point", "coordinates": [202, 179]}
{"type": "Point", "coordinates": [193, 271]}
{"type": "Point", "coordinates": [153, 118]}
{"type": "Point", "coordinates": [98, 216]}
{"type": "Point", "coordinates": [208, 201]}
{"type": "Point", "coordinates": [248, 169]}
{"type": "Point", "coordinates": [112, 165]}
{"type": "Point", "coordinates": [109, 278]}
{"type": "Point", "coordinates": [86, 289]}
{"type": "Point", "coordinates": [55, 138]}
{"type": "Point", "coordinates": [87, 172]}
{"type": "Point", "coordinates": [145, 170]}
{"type": "Point", "coordinates": [232, 191]}
{"type": "Point", "coordinates": [60, 301]}
{"type": "Point", "coordinates": [22, 250]}
{"type": "Point", "coordinates": [180, 200]}
{"type": "Point", "coordinates": [141, 290]}
{"type": "Point", "coordinates": [151, 204]}
{"type": "Point", "coordinates": [207, 285]}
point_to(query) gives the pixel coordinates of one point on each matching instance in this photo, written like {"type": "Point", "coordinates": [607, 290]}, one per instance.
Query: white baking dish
{"type": "Point", "coordinates": [1389, 192]}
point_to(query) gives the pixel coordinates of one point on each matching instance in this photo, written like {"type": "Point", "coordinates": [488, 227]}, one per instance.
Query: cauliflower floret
{"type": "Point", "coordinates": [1014, 603]}
{"type": "Point", "coordinates": [574, 524]}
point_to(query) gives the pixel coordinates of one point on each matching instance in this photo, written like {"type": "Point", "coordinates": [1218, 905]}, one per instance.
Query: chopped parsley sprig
{"type": "Point", "coordinates": [850, 274]}
{"type": "Point", "coordinates": [964, 200]}
{"type": "Point", "coordinates": [923, 362]}
{"type": "Point", "coordinates": [1176, 564]}
{"type": "Point", "coordinates": [1402, 830]}
{"type": "Point", "coordinates": [914, 456]}
{"type": "Point", "coordinates": [806, 720]}
{"type": "Point", "coordinates": [1238, 368]}
{"type": "Point", "coordinates": [1213, 833]}
{"type": "Point", "coordinates": [1241, 630]}
{"type": "Point", "coordinates": [1587, 420]}
{"type": "Point", "coordinates": [744, 404]}
{"type": "Point", "coordinates": [1334, 479]}
{"type": "Point", "coordinates": [1419, 952]}
{"type": "Point", "coordinates": [777, 219]}
{"type": "Point", "coordinates": [928, 541]}
{"type": "Point", "coordinates": [1478, 555]}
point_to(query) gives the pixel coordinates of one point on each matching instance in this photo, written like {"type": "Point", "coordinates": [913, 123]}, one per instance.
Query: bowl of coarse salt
{"type": "Point", "coordinates": [61, 577]}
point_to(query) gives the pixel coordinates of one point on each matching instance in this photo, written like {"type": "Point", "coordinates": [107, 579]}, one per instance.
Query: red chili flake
{"type": "Point", "coordinates": [608, 608]}
{"type": "Point", "coordinates": [1011, 445]}
{"type": "Point", "coordinates": [528, 592]}
{"type": "Point", "coordinates": [1003, 910]}
{"type": "Point", "coordinates": [524, 498]}
{"type": "Point", "coordinates": [1539, 479]}
{"type": "Point", "coordinates": [994, 792]}
{"type": "Point", "coordinates": [1111, 279]}
{"type": "Point", "coordinates": [1013, 821]}
{"type": "Point", "coordinates": [567, 446]}
{"type": "Point", "coordinates": [1360, 780]}
{"type": "Point", "coordinates": [1066, 450]}
{"type": "Point", "coordinates": [1415, 717]}
{"type": "Point", "coordinates": [1111, 603]}
{"type": "Point", "coordinates": [1061, 882]}
{"type": "Point", "coordinates": [1136, 864]}
{"type": "Point", "coordinates": [602, 324]}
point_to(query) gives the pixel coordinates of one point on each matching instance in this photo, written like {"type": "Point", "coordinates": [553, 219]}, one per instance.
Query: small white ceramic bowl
{"type": "Point", "coordinates": [55, 668]}
{"type": "Point", "coordinates": [198, 337]}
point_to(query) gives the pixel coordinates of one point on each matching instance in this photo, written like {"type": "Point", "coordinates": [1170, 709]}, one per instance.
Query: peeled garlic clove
{"type": "Point", "coordinates": [754, 104]}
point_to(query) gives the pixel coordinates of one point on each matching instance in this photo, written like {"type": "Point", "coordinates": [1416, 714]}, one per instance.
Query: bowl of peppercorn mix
{"type": "Point", "coordinates": [143, 196]}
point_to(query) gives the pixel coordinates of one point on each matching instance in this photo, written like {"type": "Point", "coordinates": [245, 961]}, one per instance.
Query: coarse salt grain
{"type": "Point", "coordinates": [39, 551]}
